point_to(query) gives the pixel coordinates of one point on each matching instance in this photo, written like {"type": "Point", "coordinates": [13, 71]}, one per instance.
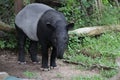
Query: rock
{"type": "Point", "coordinates": [15, 78]}
{"type": "Point", "coordinates": [28, 79]}
{"type": "Point", "coordinates": [3, 75]}
{"type": "Point", "coordinates": [12, 78]}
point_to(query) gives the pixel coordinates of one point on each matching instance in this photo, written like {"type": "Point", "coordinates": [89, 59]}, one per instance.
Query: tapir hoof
{"type": "Point", "coordinates": [36, 62]}
{"type": "Point", "coordinates": [45, 69]}
{"type": "Point", "coordinates": [53, 67]}
{"type": "Point", "coordinates": [22, 63]}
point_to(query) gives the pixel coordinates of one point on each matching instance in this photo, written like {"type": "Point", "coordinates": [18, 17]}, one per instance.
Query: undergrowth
{"type": "Point", "coordinates": [102, 50]}
{"type": "Point", "coordinates": [96, 77]}
{"type": "Point", "coordinates": [8, 42]}
{"type": "Point", "coordinates": [77, 11]}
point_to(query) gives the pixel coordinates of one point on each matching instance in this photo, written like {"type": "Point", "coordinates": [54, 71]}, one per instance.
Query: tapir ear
{"type": "Point", "coordinates": [70, 26]}
{"type": "Point", "coordinates": [50, 26]}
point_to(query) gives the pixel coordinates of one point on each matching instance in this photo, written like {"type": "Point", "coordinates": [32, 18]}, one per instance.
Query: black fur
{"type": "Point", "coordinates": [46, 35]}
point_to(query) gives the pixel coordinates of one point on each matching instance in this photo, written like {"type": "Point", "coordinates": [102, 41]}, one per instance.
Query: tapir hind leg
{"type": "Point", "coordinates": [33, 48]}
{"type": "Point", "coordinates": [21, 37]}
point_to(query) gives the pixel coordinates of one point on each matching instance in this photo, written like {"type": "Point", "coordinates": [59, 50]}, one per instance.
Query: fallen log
{"type": "Point", "coordinates": [93, 66]}
{"type": "Point", "coordinates": [6, 28]}
{"type": "Point", "coordinates": [75, 63]}
{"type": "Point", "coordinates": [92, 31]}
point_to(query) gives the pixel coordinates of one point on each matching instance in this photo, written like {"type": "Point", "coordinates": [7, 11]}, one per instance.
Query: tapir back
{"type": "Point", "coordinates": [27, 19]}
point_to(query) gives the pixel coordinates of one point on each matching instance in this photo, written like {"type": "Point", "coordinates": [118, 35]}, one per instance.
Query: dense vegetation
{"type": "Point", "coordinates": [7, 11]}
{"type": "Point", "coordinates": [101, 51]}
{"type": "Point", "coordinates": [88, 50]}
{"type": "Point", "coordinates": [90, 13]}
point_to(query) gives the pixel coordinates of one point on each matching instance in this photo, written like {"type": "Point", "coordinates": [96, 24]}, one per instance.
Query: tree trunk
{"type": "Point", "coordinates": [98, 8]}
{"type": "Point", "coordinates": [18, 5]}
{"type": "Point", "coordinates": [90, 8]}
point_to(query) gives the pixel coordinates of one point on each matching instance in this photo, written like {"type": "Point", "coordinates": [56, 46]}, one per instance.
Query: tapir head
{"type": "Point", "coordinates": [60, 37]}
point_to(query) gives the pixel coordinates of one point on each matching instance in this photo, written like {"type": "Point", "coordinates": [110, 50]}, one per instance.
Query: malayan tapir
{"type": "Point", "coordinates": [43, 24]}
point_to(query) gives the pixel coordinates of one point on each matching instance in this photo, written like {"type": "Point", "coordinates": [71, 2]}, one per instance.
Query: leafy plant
{"type": "Point", "coordinates": [2, 44]}
{"type": "Point", "coordinates": [109, 73]}
{"type": "Point", "coordinates": [29, 74]}
{"type": "Point", "coordinates": [95, 77]}
{"type": "Point", "coordinates": [8, 42]}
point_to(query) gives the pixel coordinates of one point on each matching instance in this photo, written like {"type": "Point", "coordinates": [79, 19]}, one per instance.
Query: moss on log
{"type": "Point", "coordinates": [6, 28]}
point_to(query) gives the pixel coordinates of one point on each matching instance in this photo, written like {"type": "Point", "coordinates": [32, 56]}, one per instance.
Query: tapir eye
{"type": "Point", "coordinates": [65, 38]}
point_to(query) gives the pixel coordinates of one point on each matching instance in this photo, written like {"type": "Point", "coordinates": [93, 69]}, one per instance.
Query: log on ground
{"type": "Point", "coordinates": [93, 31]}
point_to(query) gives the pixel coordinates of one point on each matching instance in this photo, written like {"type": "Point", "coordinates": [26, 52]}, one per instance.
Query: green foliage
{"type": "Point", "coordinates": [72, 11]}
{"type": "Point", "coordinates": [29, 74]}
{"type": "Point", "coordinates": [7, 11]}
{"type": "Point", "coordinates": [109, 16]}
{"type": "Point", "coordinates": [85, 13]}
{"type": "Point", "coordinates": [109, 73]}
{"type": "Point", "coordinates": [100, 51]}
{"type": "Point", "coordinates": [96, 77]}
{"type": "Point", "coordinates": [104, 44]}
{"type": "Point", "coordinates": [2, 44]}
{"type": "Point", "coordinates": [9, 42]}
{"type": "Point", "coordinates": [26, 2]}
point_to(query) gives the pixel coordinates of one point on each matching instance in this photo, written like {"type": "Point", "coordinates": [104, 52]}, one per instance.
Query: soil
{"type": "Point", "coordinates": [64, 71]}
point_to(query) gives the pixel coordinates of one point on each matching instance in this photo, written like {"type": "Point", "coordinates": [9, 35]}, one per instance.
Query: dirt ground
{"type": "Point", "coordinates": [8, 63]}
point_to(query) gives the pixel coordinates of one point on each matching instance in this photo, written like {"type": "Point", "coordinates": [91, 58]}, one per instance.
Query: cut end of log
{"type": "Point", "coordinates": [87, 31]}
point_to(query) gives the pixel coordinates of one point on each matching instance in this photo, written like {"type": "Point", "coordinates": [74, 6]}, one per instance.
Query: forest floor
{"type": "Point", "coordinates": [64, 71]}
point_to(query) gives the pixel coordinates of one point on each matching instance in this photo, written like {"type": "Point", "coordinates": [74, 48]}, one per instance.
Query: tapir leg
{"type": "Point", "coordinates": [21, 44]}
{"type": "Point", "coordinates": [53, 58]}
{"type": "Point", "coordinates": [44, 49]}
{"type": "Point", "coordinates": [33, 48]}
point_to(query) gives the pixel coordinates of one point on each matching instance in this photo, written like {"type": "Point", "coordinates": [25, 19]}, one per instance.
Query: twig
{"type": "Point", "coordinates": [99, 66]}
{"type": "Point", "coordinates": [75, 63]}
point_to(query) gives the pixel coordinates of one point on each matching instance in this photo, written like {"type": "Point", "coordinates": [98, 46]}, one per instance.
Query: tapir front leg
{"type": "Point", "coordinates": [44, 49]}
{"type": "Point", "coordinates": [53, 58]}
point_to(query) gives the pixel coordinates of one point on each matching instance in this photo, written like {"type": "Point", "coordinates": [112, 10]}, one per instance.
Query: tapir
{"type": "Point", "coordinates": [44, 25]}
